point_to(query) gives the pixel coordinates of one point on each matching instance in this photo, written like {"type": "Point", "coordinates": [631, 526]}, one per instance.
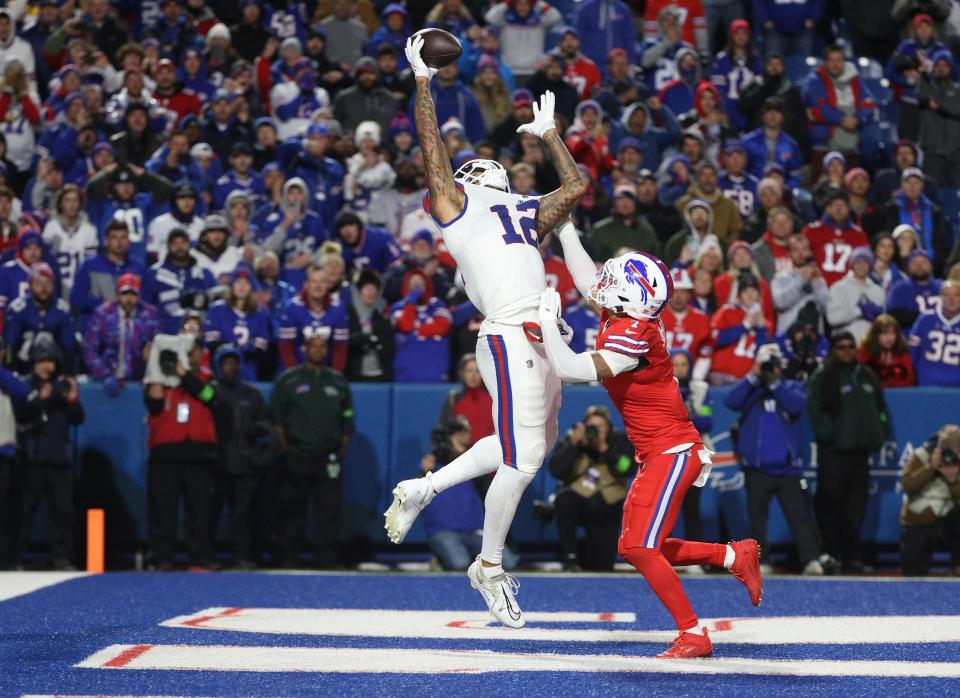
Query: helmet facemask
{"type": "Point", "coordinates": [484, 173]}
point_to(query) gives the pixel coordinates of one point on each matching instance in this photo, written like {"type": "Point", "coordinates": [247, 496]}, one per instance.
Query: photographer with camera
{"type": "Point", "coordinates": [930, 516]}
{"type": "Point", "coordinates": [454, 519]}
{"type": "Point", "coordinates": [44, 421]}
{"type": "Point", "coordinates": [768, 447]}
{"type": "Point", "coordinates": [182, 438]}
{"type": "Point", "coordinates": [802, 349]}
{"type": "Point", "coordinates": [592, 464]}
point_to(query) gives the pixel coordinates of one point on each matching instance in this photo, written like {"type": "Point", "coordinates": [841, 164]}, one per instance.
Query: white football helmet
{"type": "Point", "coordinates": [636, 283]}
{"type": "Point", "coordinates": [485, 173]}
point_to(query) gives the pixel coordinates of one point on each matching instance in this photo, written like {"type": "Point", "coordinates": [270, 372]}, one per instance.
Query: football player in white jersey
{"type": "Point", "coordinates": [493, 235]}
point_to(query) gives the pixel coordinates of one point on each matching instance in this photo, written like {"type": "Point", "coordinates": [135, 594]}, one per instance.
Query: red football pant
{"type": "Point", "coordinates": [649, 514]}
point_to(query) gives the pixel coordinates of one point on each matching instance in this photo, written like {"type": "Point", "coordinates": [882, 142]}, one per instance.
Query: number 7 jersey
{"type": "Point", "coordinates": [648, 397]}
{"type": "Point", "coordinates": [494, 243]}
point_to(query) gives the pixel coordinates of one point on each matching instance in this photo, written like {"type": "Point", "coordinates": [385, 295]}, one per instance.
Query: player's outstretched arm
{"type": "Point", "coordinates": [556, 206]}
{"type": "Point", "coordinates": [446, 201]}
{"type": "Point", "coordinates": [571, 367]}
{"type": "Point", "coordinates": [578, 262]}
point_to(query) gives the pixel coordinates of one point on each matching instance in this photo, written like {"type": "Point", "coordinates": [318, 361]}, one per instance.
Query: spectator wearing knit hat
{"type": "Point", "coordinates": [863, 210]}
{"type": "Point", "coordinates": [800, 292]}
{"type": "Point", "coordinates": [624, 228]}
{"type": "Point", "coordinates": [733, 68]}
{"type": "Point", "coordinates": [886, 181]}
{"type": "Point", "coordinates": [177, 283]}
{"type": "Point", "coordinates": [117, 338]}
{"type": "Point", "coordinates": [421, 254]}
{"type": "Point", "coordinates": [422, 325]}
{"type": "Point", "coordinates": [939, 132]}
{"type": "Point", "coordinates": [785, 153]}
{"type": "Point", "coordinates": [579, 70]}
{"type": "Point", "coordinates": [911, 206]}
{"type": "Point", "coordinates": [727, 223]}
{"type": "Point", "coordinates": [236, 320]}
{"type": "Point", "coordinates": [834, 237]}
{"type": "Point", "coordinates": [40, 314]}
{"type": "Point", "coordinates": [586, 139]}
{"type": "Point", "coordinates": [918, 293]}
{"type": "Point", "coordinates": [549, 76]}
{"type": "Point", "coordinates": [856, 300]}
{"type": "Point", "coordinates": [523, 32]}
{"type": "Point", "coordinates": [371, 335]}
{"type": "Point", "coordinates": [367, 99]}
{"type": "Point", "coordinates": [739, 329]}
{"type": "Point", "coordinates": [726, 286]}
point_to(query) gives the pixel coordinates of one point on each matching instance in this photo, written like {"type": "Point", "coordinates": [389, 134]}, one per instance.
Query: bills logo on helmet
{"type": "Point", "coordinates": [636, 273]}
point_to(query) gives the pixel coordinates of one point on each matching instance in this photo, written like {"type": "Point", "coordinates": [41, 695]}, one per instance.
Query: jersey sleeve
{"type": "Point", "coordinates": [625, 337]}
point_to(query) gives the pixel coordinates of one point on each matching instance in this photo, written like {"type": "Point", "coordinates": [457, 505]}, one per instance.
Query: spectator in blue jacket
{"type": "Point", "coordinates": [909, 64]}
{"type": "Point", "coordinates": [395, 31]}
{"type": "Point", "coordinates": [734, 68]}
{"type": "Point", "coordinates": [604, 25]}
{"type": "Point", "coordinates": [178, 284]}
{"type": "Point", "coordinates": [679, 94]}
{"type": "Point", "coordinates": [768, 448]}
{"type": "Point", "coordinates": [365, 246]}
{"type": "Point", "coordinates": [639, 121]}
{"type": "Point", "coordinates": [307, 159]}
{"type": "Point", "coordinates": [785, 153]}
{"type": "Point", "coordinates": [422, 326]}
{"type": "Point", "coordinates": [788, 27]}
{"type": "Point", "coordinates": [97, 276]}
{"type": "Point", "coordinates": [39, 314]}
{"type": "Point", "coordinates": [918, 293]}
{"type": "Point", "coordinates": [840, 108]}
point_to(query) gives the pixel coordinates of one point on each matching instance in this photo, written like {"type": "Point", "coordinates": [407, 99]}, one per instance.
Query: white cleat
{"type": "Point", "coordinates": [409, 499]}
{"type": "Point", "coordinates": [500, 594]}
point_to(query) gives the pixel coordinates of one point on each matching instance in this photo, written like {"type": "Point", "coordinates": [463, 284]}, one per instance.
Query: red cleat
{"type": "Point", "coordinates": [746, 568]}
{"type": "Point", "coordinates": [689, 646]}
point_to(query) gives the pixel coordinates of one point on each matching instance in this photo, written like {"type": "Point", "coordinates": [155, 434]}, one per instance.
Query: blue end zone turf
{"type": "Point", "coordinates": [114, 621]}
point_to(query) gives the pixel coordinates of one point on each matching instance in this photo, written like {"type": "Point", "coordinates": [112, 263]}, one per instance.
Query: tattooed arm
{"type": "Point", "coordinates": [446, 201]}
{"type": "Point", "coordinates": [557, 206]}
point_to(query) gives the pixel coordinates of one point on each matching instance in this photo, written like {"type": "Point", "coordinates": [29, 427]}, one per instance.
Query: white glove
{"type": "Point", "coordinates": [549, 307]}
{"type": "Point", "coordinates": [566, 332]}
{"type": "Point", "coordinates": [542, 116]}
{"type": "Point", "coordinates": [420, 69]}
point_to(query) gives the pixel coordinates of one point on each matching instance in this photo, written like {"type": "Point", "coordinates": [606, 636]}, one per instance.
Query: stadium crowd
{"type": "Point", "coordinates": [248, 174]}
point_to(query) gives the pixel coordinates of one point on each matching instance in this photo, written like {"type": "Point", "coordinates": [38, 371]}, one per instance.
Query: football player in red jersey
{"type": "Point", "coordinates": [687, 328]}
{"type": "Point", "coordinates": [633, 363]}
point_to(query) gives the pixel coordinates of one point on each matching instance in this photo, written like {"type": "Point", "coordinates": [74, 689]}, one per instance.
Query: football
{"type": "Point", "coordinates": [440, 48]}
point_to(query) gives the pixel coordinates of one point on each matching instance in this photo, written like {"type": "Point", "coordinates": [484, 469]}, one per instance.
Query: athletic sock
{"type": "Point", "coordinates": [729, 556]}
{"type": "Point", "coordinates": [501, 505]}
{"type": "Point", "coordinates": [684, 552]}
{"type": "Point", "coordinates": [481, 458]}
{"type": "Point", "coordinates": [665, 583]}
{"type": "Point", "coordinates": [696, 630]}
{"type": "Point", "coordinates": [489, 572]}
